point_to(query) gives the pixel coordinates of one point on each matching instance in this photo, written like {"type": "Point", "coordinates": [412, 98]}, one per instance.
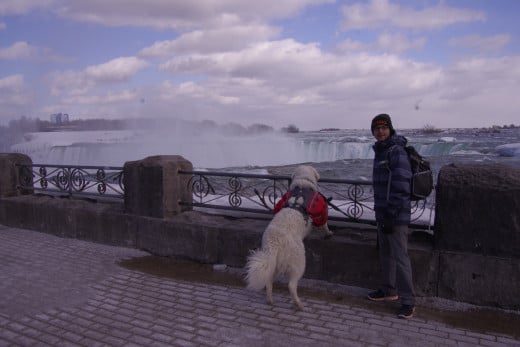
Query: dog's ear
{"type": "Point", "coordinates": [316, 174]}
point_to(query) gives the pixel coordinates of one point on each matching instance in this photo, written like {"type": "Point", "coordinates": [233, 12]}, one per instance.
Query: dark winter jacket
{"type": "Point", "coordinates": [392, 202]}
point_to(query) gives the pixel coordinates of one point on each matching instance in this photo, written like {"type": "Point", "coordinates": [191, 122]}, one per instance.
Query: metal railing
{"type": "Point", "coordinates": [94, 181]}
{"type": "Point", "coordinates": [349, 200]}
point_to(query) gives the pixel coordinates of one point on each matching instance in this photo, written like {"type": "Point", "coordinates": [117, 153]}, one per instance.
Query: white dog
{"type": "Point", "coordinates": [282, 251]}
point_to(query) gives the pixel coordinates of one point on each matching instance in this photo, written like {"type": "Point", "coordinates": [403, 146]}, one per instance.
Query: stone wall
{"type": "Point", "coordinates": [477, 228]}
{"type": "Point", "coordinates": [448, 267]}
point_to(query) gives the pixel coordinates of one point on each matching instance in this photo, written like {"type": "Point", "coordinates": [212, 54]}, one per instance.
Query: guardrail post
{"type": "Point", "coordinates": [10, 174]}
{"type": "Point", "coordinates": [154, 187]}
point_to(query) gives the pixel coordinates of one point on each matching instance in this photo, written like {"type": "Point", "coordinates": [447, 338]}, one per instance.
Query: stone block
{"type": "Point", "coordinates": [477, 209]}
{"type": "Point", "coordinates": [479, 279]}
{"type": "Point", "coordinates": [154, 188]}
{"type": "Point", "coordinates": [11, 175]}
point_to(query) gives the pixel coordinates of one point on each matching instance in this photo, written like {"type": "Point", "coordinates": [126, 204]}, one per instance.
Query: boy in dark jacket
{"type": "Point", "coordinates": [391, 180]}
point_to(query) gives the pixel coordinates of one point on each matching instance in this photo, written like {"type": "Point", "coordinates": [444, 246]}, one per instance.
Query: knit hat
{"type": "Point", "coordinates": [382, 119]}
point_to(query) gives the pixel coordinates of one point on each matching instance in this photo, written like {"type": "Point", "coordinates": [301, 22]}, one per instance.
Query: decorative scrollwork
{"type": "Point", "coordinates": [235, 183]}
{"type": "Point", "coordinates": [354, 210]}
{"type": "Point", "coordinates": [77, 180]}
{"type": "Point", "coordinates": [72, 180]}
{"type": "Point", "coordinates": [100, 175]}
{"type": "Point", "coordinates": [272, 193]}
{"type": "Point", "coordinates": [235, 200]}
{"type": "Point", "coordinates": [62, 179]}
{"type": "Point", "coordinates": [417, 209]}
{"type": "Point", "coordinates": [200, 186]}
{"type": "Point", "coordinates": [355, 192]}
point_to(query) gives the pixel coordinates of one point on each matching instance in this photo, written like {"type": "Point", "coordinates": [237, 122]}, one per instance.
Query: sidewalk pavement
{"type": "Point", "coordinates": [68, 292]}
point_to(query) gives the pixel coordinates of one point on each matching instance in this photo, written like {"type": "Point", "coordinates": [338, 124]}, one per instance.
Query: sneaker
{"type": "Point", "coordinates": [379, 295]}
{"type": "Point", "coordinates": [406, 311]}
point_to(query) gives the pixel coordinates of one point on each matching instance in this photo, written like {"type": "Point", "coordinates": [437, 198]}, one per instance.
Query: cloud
{"type": "Point", "coordinates": [11, 91]}
{"type": "Point", "coordinates": [19, 50]}
{"type": "Point", "coordinates": [213, 40]}
{"type": "Point", "coordinates": [79, 82]}
{"type": "Point", "coordinates": [270, 74]}
{"type": "Point", "coordinates": [180, 14]}
{"type": "Point", "coordinates": [21, 6]}
{"type": "Point", "coordinates": [481, 44]}
{"type": "Point", "coordinates": [22, 50]}
{"type": "Point", "coordinates": [379, 14]}
{"type": "Point", "coordinates": [392, 43]}
{"type": "Point", "coordinates": [11, 83]}
{"type": "Point", "coordinates": [398, 43]}
{"type": "Point", "coordinates": [110, 97]}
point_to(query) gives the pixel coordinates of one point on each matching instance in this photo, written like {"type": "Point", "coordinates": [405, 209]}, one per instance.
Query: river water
{"type": "Point", "coordinates": [345, 154]}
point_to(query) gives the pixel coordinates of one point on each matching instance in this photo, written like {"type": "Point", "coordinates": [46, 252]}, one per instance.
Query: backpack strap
{"type": "Point", "coordinates": [389, 173]}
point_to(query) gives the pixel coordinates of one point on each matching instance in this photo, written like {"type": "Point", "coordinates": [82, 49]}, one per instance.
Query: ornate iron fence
{"type": "Point", "coordinates": [96, 181]}
{"type": "Point", "coordinates": [349, 200]}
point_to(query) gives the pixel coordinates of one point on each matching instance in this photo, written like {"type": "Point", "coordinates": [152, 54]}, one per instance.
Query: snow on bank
{"type": "Point", "coordinates": [509, 150]}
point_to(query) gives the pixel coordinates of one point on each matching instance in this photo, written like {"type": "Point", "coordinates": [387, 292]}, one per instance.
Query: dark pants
{"type": "Point", "coordinates": [395, 264]}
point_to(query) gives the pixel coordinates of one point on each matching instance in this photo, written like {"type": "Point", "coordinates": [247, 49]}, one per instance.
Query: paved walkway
{"type": "Point", "coordinates": [66, 292]}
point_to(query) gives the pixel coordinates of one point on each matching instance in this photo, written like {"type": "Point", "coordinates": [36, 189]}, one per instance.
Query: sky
{"type": "Point", "coordinates": [314, 64]}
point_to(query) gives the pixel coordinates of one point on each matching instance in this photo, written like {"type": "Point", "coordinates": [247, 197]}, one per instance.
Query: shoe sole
{"type": "Point", "coordinates": [403, 316]}
{"type": "Point", "coordinates": [386, 298]}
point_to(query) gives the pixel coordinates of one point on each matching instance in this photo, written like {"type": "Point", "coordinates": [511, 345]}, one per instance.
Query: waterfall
{"type": "Point", "coordinates": [211, 149]}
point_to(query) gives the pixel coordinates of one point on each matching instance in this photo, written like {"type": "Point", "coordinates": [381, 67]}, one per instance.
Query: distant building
{"type": "Point", "coordinates": [59, 118]}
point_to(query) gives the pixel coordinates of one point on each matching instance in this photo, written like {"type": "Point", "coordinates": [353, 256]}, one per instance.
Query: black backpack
{"type": "Point", "coordinates": [422, 175]}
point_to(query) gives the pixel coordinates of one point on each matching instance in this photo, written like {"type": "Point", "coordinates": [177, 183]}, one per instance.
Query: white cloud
{"type": "Point", "coordinates": [12, 91]}
{"type": "Point", "coordinates": [80, 82]}
{"type": "Point", "coordinates": [181, 14]}
{"type": "Point", "coordinates": [480, 43]}
{"type": "Point", "coordinates": [379, 14]}
{"type": "Point", "coordinates": [116, 70]}
{"type": "Point", "coordinates": [392, 43]}
{"type": "Point", "coordinates": [398, 43]}
{"type": "Point", "coordinates": [11, 83]}
{"type": "Point", "coordinates": [228, 62]}
{"type": "Point", "coordinates": [22, 50]}
{"type": "Point", "coordinates": [110, 97]}
{"type": "Point", "coordinates": [18, 50]}
{"type": "Point", "coordinates": [213, 40]}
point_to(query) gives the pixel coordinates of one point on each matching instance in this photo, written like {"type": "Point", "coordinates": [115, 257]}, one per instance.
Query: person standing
{"type": "Point", "coordinates": [391, 178]}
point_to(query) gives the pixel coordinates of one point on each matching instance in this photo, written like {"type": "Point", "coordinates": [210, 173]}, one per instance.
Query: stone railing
{"type": "Point", "coordinates": [473, 256]}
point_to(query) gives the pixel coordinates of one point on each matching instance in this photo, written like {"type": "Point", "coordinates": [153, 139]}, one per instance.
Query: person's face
{"type": "Point", "coordinates": [381, 132]}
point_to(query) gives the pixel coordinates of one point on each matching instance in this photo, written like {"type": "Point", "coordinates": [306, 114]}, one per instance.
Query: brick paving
{"type": "Point", "coordinates": [67, 292]}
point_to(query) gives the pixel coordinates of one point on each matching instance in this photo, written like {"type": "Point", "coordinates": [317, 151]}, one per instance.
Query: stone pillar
{"type": "Point", "coordinates": [154, 188]}
{"type": "Point", "coordinates": [478, 209]}
{"type": "Point", "coordinates": [10, 174]}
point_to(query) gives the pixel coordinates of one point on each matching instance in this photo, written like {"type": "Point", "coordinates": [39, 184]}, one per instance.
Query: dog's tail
{"type": "Point", "coordinates": [260, 267]}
